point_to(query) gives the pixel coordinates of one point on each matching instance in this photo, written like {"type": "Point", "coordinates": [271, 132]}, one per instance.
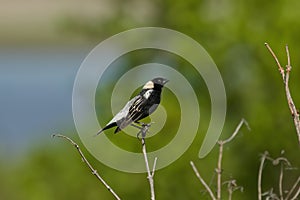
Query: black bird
{"type": "Point", "coordinates": [139, 107]}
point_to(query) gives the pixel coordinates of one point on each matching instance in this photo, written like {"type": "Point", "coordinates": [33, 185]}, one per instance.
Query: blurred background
{"type": "Point", "coordinates": [42, 44]}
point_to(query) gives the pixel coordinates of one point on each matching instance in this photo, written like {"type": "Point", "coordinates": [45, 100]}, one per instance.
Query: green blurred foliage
{"type": "Point", "coordinates": [234, 33]}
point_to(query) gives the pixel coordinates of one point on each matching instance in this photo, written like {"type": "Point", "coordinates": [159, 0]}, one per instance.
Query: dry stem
{"type": "Point", "coordinates": [296, 194]}
{"type": "Point", "coordinates": [144, 130]}
{"type": "Point", "coordinates": [219, 170]}
{"type": "Point", "coordinates": [202, 181]}
{"type": "Point", "coordinates": [285, 77]}
{"type": "Point", "coordinates": [263, 158]}
{"type": "Point", "coordinates": [280, 182]}
{"type": "Point", "coordinates": [94, 172]}
{"type": "Point", "coordinates": [221, 144]}
{"type": "Point", "coordinates": [293, 188]}
{"type": "Point", "coordinates": [219, 165]}
{"type": "Point", "coordinates": [285, 74]}
{"type": "Point", "coordinates": [283, 162]}
{"type": "Point", "coordinates": [231, 187]}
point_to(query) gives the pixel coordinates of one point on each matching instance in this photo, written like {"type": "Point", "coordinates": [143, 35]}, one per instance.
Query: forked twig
{"type": "Point", "coordinates": [94, 172]}
{"type": "Point", "coordinates": [285, 74]}
{"type": "Point", "coordinates": [219, 165]}
{"type": "Point", "coordinates": [285, 77]}
{"type": "Point", "coordinates": [283, 162]}
{"type": "Point", "coordinates": [231, 187]}
{"type": "Point", "coordinates": [221, 144]}
{"type": "Point", "coordinates": [280, 68]}
{"type": "Point", "coordinates": [144, 130]}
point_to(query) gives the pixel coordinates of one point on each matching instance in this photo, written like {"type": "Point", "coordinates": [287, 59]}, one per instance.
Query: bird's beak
{"type": "Point", "coordinates": [165, 81]}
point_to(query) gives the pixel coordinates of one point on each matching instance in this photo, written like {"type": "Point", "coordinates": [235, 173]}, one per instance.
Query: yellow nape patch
{"type": "Point", "coordinates": [149, 85]}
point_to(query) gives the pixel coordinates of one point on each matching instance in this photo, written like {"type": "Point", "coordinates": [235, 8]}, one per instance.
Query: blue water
{"type": "Point", "coordinates": [36, 94]}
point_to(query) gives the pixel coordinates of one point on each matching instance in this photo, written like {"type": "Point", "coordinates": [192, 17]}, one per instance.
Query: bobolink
{"type": "Point", "coordinates": [139, 107]}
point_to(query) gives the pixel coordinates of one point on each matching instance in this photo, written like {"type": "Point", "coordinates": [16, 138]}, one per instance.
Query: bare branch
{"type": "Point", "coordinates": [231, 187]}
{"type": "Point", "coordinates": [154, 165]}
{"type": "Point", "coordinates": [288, 55]}
{"type": "Point", "coordinates": [263, 158]}
{"type": "Point", "coordinates": [295, 114]}
{"type": "Point", "coordinates": [281, 160]}
{"type": "Point", "coordinates": [296, 194]}
{"type": "Point", "coordinates": [280, 68]}
{"type": "Point", "coordinates": [144, 130]}
{"type": "Point", "coordinates": [230, 191]}
{"type": "Point", "coordinates": [280, 182]}
{"type": "Point", "coordinates": [270, 195]}
{"type": "Point", "coordinates": [291, 104]}
{"type": "Point", "coordinates": [202, 181]}
{"type": "Point", "coordinates": [94, 172]}
{"type": "Point", "coordinates": [285, 78]}
{"type": "Point", "coordinates": [284, 164]}
{"type": "Point", "coordinates": [221, 144]}
{"type": "Point", "coordinates": [243, 121]}
{"type": "Point", "coordinates": [219, 170]}
{"type": "Point", "coordinates": [284, 161]}
{"type": "Point", "coordinates": [293, 188]}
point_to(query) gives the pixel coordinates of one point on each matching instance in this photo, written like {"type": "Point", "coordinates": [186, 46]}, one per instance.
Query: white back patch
{"type": "Point", "coordinates": [149, 85]}
{"type": "Point", "coordinates": [147, 94]}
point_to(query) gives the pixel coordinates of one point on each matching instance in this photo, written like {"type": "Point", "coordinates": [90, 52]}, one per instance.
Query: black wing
{"type": "Point", "coordinates": [119, 117]}
{"type": "Point", "coordinates": [138, 110]}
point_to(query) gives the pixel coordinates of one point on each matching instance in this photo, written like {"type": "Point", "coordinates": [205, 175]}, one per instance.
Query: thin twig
{"type": "Point", "coordinates": [288, 55]}
{"type": "Point", "coordinates": [243, 121]}
{"type": "Point", "coordinates": [231, 187]}
{"type": "Point", "coordinates": [219, 170]}
{"type": "Point", "coordinates": [281, 160]}
{"type": "Point", "coordinates": [295, 114]}
{"type": "Point", "coordinates": [280, 68]}
{"type": "Point", "coordinates": [296, 194]}
{"type": "Point", "coordinates": [219, 165]}
{"type": "Point", "coordinates": [144, 130]}
{"type": "Point", "coordinates": [270, 195]}
{"type": "Point", "coordinates": [94, 172]}
{"type": "Point", "coordinates": [293, 188]}
{"type": "Point", "coordinates": [285, 78]}
{"type": "Point", "coordinates": [150, 177]}
{"type": "Point", "coordinates": [154, 165]}
{"type": "Point", "coordinates": [280, 181]}
{"type": "Point", "coordinates": [263, 158]}
{"type": "Point", "coordinates": [202, 181]}
{"type": "Point", "coordinates": [291, 104]}
{"type": "Point", "coordinates": [230, 191]}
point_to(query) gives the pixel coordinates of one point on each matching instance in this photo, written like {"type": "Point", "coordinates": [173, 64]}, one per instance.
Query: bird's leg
{"type": "Point", "coordinates": [142, 124]}
{"type": "Point", "coordinates": [144, 128]}
{"type": "Point", "coordinates": [138, 135]}
{"type": "Point", "coordinates": [138, 127]}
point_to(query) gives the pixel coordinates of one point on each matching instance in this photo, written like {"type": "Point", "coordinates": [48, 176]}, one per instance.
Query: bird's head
{"type": "Point", "coordinates": [155, 83]}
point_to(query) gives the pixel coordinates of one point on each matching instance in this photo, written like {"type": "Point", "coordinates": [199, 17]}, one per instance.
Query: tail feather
{"type": "Point", "coordinates": [118, 129]}
{"type": "Point", "coordinates": [107, 127]}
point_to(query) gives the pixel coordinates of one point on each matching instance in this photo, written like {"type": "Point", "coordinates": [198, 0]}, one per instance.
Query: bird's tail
{"type": "Point", "coordinates": [106, 127]}
{"type": "Point", "coordinates": [99, 132]}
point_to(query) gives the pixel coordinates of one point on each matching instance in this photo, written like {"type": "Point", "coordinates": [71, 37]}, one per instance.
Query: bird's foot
{"type": "Point", "coordinates": [144, 128]}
